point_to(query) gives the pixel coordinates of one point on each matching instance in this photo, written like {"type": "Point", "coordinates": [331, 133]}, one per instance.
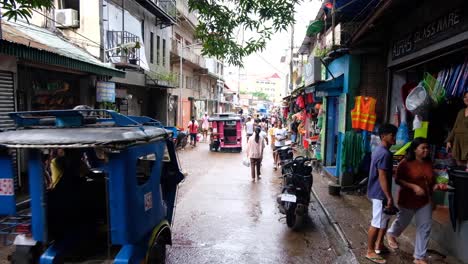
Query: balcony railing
{"type": "Point", "coordinates": [123, 45]}
{"type": "Point", "coordinates": [188, 54]}
{"type": "Point", "coordinates": [183, 11]}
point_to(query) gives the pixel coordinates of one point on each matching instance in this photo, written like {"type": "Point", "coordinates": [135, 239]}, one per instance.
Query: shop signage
{"type": "Point", "coordinates": [437, 30]}
{"type": "Point", "coordinates": [105, 92]}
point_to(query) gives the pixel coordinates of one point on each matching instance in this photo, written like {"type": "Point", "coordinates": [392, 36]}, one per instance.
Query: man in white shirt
{"type": "Point", "coordinates": [249, 128]}
{"type": "Point", "coordinates": [280, 134]}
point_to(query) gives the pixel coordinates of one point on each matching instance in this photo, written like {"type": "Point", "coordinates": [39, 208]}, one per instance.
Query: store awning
{"type": "Point", "coordinates": [331, 87]}
{"type": "Point", "coordinates": [315, 27]}
{"type": "Point", "coordinates": [32, 43]}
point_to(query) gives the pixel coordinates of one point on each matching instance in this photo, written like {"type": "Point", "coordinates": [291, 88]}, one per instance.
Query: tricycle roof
{"type": "Point", "coordinates": [224, 117]}
{"type": "Point", "coordinates": [79, 129]}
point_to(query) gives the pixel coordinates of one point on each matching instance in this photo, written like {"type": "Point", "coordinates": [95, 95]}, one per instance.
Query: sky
{"type": "Point", "coordinates": [268, 62]}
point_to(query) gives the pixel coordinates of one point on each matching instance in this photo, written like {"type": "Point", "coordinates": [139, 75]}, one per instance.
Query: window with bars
{"type": "Point", "coordinates": [151, 47]}
{"type": "Point", "coordinates": [164, 52]}
{"type": "Point", "coordinates": [158, 50]}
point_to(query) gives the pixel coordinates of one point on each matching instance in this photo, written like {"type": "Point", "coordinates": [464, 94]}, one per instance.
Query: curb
{"type": "Point", "coordinates": [337, 228]}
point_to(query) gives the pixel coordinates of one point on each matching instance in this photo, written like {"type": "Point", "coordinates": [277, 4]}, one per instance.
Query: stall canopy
{"type": "Point", "coordinates": [330, 87]}
{"type": "Point", "coordinates": [39, 45]}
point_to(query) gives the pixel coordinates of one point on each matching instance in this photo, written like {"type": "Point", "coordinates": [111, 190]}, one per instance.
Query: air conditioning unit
{"type": "Point", "coordinates": [312, 70]}
{"type": "Point", "coordinates": [66, 18]}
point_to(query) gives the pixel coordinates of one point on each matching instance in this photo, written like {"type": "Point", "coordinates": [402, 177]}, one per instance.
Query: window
{"type": "Point", "coordinates": [158, 49]}
{"type": "Point", "coordinates": [151, 47]}
{"type": "Point", "coordinates": [187, 85]}
{"type": "Point", "coordinates": [143, 31]}
{"type": "Point", "coordinates": [164, 52]}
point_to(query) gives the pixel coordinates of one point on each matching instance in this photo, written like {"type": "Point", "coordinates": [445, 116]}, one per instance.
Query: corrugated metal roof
{"type": "Point", "coordinates": [44, 40]}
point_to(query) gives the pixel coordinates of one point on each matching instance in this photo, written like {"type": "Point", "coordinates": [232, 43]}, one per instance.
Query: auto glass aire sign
{"type": "Point", "coordinates": [437, 30]}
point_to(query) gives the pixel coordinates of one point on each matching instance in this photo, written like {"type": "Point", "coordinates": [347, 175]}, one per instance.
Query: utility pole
{"type": "Point", "coordinates": [291, 62]}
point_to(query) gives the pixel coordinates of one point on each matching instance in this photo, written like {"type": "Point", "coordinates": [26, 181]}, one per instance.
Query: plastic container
{"type": "Point", "coordinates": [418, 100]}
{"type": "Point", "coordinates": [458, 178]}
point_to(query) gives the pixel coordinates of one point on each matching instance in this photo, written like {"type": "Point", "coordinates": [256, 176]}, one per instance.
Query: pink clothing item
{"type": "Point", "coordinates": [205, 124]}
{"type": "Point", "coordinates": [193, 127]}
{"type": "Point", "coordinates": [254, 149]}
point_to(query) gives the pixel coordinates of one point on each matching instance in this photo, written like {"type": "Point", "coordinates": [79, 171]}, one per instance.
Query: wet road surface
{"type": "Point", "coordinates": [222, 217]}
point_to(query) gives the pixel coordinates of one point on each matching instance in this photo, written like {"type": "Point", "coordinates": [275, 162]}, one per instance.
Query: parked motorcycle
{"type": "Point", "coordinates": [295, 195]}
{"type": "Point", "coordinates": [285, 155]}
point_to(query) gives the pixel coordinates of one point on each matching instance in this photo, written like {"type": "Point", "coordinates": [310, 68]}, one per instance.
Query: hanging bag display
{"type": "Point", "coordinates": [418, 100]}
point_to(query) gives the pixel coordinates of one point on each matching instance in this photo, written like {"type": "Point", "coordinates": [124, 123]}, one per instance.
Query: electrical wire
{"type": "Point", "coordinates": [83, 36]}
{"type": "Point", "coordinates": [269, 63]}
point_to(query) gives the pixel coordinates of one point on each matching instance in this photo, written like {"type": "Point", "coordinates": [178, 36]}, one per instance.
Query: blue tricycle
{"type": "Point", "coordinates": [102, 186]}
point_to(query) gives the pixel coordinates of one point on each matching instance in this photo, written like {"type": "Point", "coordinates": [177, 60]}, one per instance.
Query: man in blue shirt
{"type": "Point", "coordinates": [379, 192]}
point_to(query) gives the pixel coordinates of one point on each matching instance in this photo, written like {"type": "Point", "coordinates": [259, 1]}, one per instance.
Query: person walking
{"type": "Point", "coordinates": [280, 138]}
{"type": "Point", "coordinates": [254, 152]}
{"type": "Point", "coordinates": [249, 127]}
{"type": "Point", "coordinates": [294, 129]}
{"type": "Point", "coordinates": [271, 134]}
{"type": "Point", "coordinates": [205, 126]}
{"type": "Point", "coordinates": [193, 130]}
{"type": "Point", "coordinates": [416, 179]}
{"type": "Point", "coordinates": [379, 192]}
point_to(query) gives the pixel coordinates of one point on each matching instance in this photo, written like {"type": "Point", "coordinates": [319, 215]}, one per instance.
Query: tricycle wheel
{"type": "Point", "coordinates": [157, 253]}
{"type": "Point", "coordinates": [25, 255]}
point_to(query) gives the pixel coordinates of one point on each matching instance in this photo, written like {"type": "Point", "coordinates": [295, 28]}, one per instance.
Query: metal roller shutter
{"type": "Point", "coordinates": [7, 105]}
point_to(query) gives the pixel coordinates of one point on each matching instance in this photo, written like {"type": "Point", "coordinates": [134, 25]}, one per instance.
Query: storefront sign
{"type": "Point", "coordinates": [105, 92]}
{"type": "Point", "coordinates": [437, 30]}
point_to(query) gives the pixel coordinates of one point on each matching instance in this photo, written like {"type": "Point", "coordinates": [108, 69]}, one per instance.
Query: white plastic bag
{"type": "Point", "coordinates": [246, 162]}
{"type": "Point", "coordinates": [417, 122]}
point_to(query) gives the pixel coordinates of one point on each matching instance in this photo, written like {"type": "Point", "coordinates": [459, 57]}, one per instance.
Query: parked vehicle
{"type": "Point", "coordinates": [102, 187]}
{"type": "Point", "coordinates": [295, 194]}
{"type": "Point", "coordinates": [285, 155]}
{"type": "Point", "coordinates": [226, 134]}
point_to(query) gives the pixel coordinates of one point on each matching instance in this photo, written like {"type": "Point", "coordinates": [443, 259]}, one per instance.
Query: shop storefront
{"type": "Point", "coordinates": [428, 63]}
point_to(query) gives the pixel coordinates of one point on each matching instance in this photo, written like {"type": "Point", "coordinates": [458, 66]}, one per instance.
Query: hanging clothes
{"type": "Point", "coordinates": [363, 115]}
{"type": "Point", "coordinates": [353, 151]}
{"type": "Point", "coordinates": [300, 102]}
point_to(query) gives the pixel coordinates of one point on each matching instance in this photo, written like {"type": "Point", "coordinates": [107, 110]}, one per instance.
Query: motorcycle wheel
{"type": "Point", "coordinates": [291, 217]}
{"type": "Point", "coordinates": [158, 252]}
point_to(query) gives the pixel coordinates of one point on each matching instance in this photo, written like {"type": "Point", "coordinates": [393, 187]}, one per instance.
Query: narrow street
{"type": "Point", "coordinates": [222, 217]}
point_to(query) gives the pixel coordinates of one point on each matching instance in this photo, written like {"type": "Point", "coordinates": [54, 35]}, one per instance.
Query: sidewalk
{"type": "Point", "coordinates": [352, 214]}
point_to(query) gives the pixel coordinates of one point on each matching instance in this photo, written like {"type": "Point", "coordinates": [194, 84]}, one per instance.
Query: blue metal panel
{"type": "Point", "coordinates": [331, 130]}
{"type": "Point", "coordinates": [36, 189]}
{"type": "Point", "coordinates": [130, 254]}
{"type": "Point", "coordinates": [7, 191]}
{"type": "Point", "coordinates": [134, 209]}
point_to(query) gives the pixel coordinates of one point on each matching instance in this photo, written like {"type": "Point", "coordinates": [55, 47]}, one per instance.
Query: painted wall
{"type": "Point", "coordinates": [349, 66]}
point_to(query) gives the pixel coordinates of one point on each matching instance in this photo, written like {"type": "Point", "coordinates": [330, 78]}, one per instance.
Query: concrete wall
{"type": "Point", "coordinates": [374, 82]}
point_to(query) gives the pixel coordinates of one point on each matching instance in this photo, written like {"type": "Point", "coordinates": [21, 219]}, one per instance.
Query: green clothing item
{"type": "Point", "coordinates": [458, 137]}
{"type": "Point", "coordinates": [353, 151]}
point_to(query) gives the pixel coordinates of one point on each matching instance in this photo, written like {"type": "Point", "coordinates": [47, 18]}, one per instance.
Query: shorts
{"type": "Point", "coordinates": [379, 218]}
{"type": "Point", "coordinates": [193, 137]}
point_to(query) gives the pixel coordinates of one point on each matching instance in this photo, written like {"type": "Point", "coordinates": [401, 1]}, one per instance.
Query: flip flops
{"type": "Point", "coordinates": [383, 250]}
{"type": "Point", "coordinates": [377, 259]}
{"type": "Point", "coordinates": [392, 243]}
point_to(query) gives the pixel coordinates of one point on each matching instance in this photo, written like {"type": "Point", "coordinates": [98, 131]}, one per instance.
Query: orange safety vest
{"type": "Point", "coordinates": [363, 115]}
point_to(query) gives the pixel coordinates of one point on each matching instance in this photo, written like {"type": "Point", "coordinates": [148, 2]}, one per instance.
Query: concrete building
{"type": "Point", "coordinates": [134, 36]}
{"type": "Point", "coordinates": [199, 79]}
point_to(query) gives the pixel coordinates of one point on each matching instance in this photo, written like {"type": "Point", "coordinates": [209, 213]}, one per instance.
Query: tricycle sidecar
{"type": "Point", "coordinates": [102, 186]}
